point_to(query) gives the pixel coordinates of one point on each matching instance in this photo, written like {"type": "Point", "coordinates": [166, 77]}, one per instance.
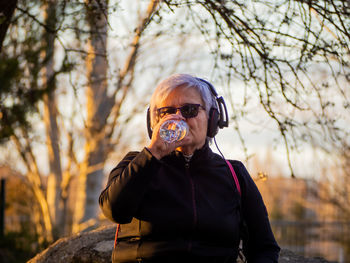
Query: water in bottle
{"type": "Point", "coordinates": [173, 130]}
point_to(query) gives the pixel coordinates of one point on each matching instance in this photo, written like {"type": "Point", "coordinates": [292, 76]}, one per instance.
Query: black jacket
{"type": "Point", "coordinates": [191, 207]}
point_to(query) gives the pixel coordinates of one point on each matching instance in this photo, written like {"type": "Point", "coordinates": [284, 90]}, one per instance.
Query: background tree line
{"type": "Point", "coordinates": [76, 75]}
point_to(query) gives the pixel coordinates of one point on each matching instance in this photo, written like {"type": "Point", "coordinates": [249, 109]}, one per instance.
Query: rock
{"type": "Point", "coordinates": [287, 256]}
{"type": "Point", "coordinates": [96, 246]}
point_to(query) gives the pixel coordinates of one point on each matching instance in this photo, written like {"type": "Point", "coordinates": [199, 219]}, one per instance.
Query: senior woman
{"type": "Point", "coordinates": [178, 202]}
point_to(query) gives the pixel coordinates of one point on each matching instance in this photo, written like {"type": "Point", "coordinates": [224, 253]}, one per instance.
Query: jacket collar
{"type": "Point", "coordinates": [199, 154]}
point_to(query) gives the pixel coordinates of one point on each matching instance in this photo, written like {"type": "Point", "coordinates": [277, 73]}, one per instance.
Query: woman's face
{"type": "Point", "coordinates": [197, 125]}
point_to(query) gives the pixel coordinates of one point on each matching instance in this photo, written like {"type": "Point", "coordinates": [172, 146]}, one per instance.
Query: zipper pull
{"type": "Point", "coordinates": [187, 161]}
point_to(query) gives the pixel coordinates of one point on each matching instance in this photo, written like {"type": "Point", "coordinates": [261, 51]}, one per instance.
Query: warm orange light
{"type": "Point", "coordinates": [262, 176]}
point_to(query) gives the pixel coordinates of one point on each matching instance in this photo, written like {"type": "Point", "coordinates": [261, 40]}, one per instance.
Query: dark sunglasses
{"type": "Point", "coordinates": [187, 110]}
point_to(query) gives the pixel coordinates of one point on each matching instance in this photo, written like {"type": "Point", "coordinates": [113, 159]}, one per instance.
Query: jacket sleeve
{"type": "Point", "coordinates": [126, 186]}
{"type": "Point", "coordinates": [261, 246]}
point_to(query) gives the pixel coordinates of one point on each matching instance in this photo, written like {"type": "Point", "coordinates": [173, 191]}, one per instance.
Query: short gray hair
{"type": "Point", "coordinates": [165, 87]}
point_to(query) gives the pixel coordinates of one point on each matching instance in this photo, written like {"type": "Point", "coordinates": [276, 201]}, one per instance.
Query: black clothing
{"type": "Point", "coordinates": [186, 208]}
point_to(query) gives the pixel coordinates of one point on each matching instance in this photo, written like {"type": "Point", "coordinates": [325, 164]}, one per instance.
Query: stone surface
{"type": "Point", "coordinates": [287, 256]}
{"type": "Point", "coordinates": [96, 246]}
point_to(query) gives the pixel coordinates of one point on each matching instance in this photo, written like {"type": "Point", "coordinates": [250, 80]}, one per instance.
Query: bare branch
{"type": "Point", "coordinates": [130, 64]}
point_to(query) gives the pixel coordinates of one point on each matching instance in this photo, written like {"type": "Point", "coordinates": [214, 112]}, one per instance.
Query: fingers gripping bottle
{"type": "Point", "coordinates": [173, 130]}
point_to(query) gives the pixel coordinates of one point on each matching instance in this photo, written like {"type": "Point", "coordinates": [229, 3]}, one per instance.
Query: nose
{"type": "Point", "coordinates": [178, 111]}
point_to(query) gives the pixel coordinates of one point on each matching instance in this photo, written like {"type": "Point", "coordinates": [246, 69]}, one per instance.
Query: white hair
{"type": "Point", "coordinates": [165, 87]}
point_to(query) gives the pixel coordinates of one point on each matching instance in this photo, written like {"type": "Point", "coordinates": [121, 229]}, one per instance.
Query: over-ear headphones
{"type": "Point", "coordinates": [218, 116]}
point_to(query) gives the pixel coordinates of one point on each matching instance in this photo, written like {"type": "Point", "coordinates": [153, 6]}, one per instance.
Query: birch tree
{"type": "Point", "coordinates": [97, 107]}
{"type": "Point", "coordinates": [101, 107]}
{"type": "Point", "coordinates": [50, 114]}
{"type": "Point", "coordinates": [21, 137]}
{"type": "Point", "coordinates": [58, 217]}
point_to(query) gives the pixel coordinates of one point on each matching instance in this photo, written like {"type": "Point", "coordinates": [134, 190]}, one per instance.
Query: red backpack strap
{"type": "Point", "coordinates": [234, 177]}
{"type": "Point", "coordinates": [116, 235]}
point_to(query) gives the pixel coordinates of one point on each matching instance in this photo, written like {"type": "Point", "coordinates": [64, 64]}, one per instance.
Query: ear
{"type": "Point", "coordinates": [213, 123]}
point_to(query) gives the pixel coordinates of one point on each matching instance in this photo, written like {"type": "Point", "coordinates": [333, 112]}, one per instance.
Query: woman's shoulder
{"type": "Point", "coordinates": [239, 168]}
{"type": "Point", "coordinates": [245, 180]}
{"type": "Point", "coordinates": [237, 163]}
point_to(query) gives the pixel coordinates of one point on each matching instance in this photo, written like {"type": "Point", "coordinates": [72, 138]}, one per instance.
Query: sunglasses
{"type": "Point", "coordinates": [187, 110]}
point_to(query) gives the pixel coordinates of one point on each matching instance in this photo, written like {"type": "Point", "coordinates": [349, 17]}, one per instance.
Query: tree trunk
{"type": "Point", "coordinates": [99, 107]}
{"type": "Point", "coordinates": [54, 197]}
{"type": "Point", "coordinates": [91, 174]}
{"type": "Point", "coordinates": [46, 235]}
{"type": "Point", "coordinates": [33, 175]}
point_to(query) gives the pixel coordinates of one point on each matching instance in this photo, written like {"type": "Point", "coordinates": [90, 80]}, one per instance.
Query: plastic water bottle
{"type": "Point", "coordinates": [173, 130]}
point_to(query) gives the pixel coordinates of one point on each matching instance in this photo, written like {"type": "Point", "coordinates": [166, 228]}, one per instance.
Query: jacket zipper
{"type": "Point", "coordinates": [187, 166]}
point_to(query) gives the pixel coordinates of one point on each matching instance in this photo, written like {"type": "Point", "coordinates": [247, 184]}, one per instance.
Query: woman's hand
{"type": "Point", "coordinates": [160, 148]}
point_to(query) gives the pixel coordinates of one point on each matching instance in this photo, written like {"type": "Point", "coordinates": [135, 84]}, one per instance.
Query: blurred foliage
{"type": "Point", "coordinates": [18, 247]}
{"type": "Point", "coordinates": [19, 71]}
{"type": "Point", "coordinates": [22, 62]}
{"type": "Point", "coordinates": [20, 242]}
{"type": "Point", "coordinates": [17, 101]}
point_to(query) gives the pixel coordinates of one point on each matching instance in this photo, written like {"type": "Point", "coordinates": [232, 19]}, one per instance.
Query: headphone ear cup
{"type": "Point", "coordinates": [213, 122]}
{"type": "Point", "coordinates": [149, 129]}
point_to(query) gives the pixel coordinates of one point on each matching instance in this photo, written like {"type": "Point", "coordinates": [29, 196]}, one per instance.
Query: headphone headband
{"type": "Point", "coordinates": [222, 109]}
{"type": "Point", "coordinates": [210, 86]}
